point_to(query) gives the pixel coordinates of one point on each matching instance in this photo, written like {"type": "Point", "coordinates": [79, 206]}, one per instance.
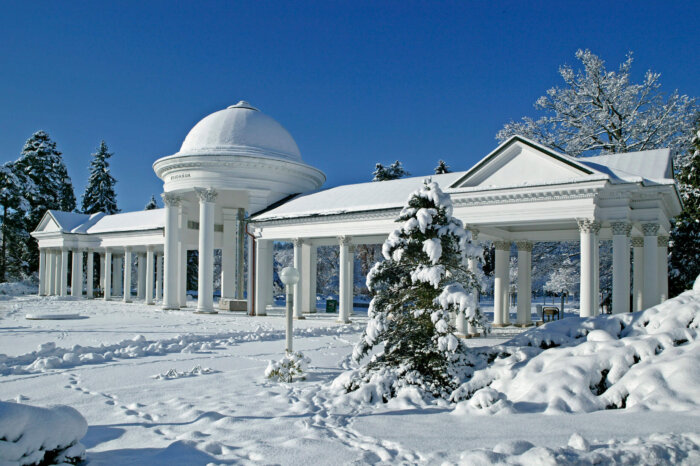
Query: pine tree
{"type": "Point", "coordinates": [99, 193]}
{"type": "Point", "coordinates": [152, 204]}
{"type": "Point", "coordinates": [422, 280]}
{"type": "Point", "coordinates": [13, 190]}
{"type": "Point", "coordinates": [43, 165]}
{"type": "Point", "coordinates": [442, 168]}
{"type": "Point", "coordinates": [685, 236]}
{"type": "Point", "coordinates": [393, 172]}
{"type": "Point", "coordinates": [600, 111]}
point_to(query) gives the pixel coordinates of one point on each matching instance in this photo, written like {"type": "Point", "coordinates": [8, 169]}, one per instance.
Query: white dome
{"type": "Point", "coordinates": [240, 129]}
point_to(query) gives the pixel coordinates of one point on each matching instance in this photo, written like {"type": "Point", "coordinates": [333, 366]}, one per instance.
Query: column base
{"type": "Point", "coordinates": [205, 311]}
{"type": "Point", "coordinates": [260, 315]}
{"type": "Point", "coordinates": [310, 312]}
{"type": "Point", "coordinates": [530, 324]}
{"type": "Point", "coordinates": [474, 335]}
{"type": "Point", "coordinates": [340, 321]}
{"type": "Point", "coordinates": [299, 318]}
{"type": "Point", "coordinates": [127, 300]}
{"type": "Point", "coordinates": [462, 335]}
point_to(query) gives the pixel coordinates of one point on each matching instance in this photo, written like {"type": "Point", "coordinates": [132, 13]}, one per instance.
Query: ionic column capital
{"type": "Point", "coordinates": [621, 228]}
{"type": "Point", "coordinates": [206, 194]}
{"type": "Point", "coordinates": [502, 245]}
{"type": "Point", "coordinates": [345, 240]}
{"type": "Point", "coordinates": [170, 199]}
{"type": "Point", "coordinates": [298, 242]}
{"type": "Point", "coordinates": [587, 225]}
{"type": "Point", "coordinates": [637, 242]}
{"type": "Point", "coordinates": [650, 229]}
{"type": "Point", "coordinates": [662, 241]}
{"type": "Point", "coordinates": [524, 245]}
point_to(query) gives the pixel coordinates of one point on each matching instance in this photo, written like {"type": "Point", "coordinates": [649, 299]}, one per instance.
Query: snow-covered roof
{"type": "Point", "coordinates": [71, 222]}
{"type": "Point", "coordinates": [354, 197]}
{"type": "Point", "coordinates": [653, 165]}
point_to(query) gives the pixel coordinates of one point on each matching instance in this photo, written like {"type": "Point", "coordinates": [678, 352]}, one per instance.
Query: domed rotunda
{"type": "Point", "coordinates": [233, 161]}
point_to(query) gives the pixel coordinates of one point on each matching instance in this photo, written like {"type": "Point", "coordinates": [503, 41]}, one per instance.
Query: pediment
{"type": "Point", "coordinates": [521, 162]}
{"type": "Point", "coordinates": [47, 224]}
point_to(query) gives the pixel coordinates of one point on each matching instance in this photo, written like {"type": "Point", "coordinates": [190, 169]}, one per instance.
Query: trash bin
{"type": "Point", "coordinates": [332, 305]}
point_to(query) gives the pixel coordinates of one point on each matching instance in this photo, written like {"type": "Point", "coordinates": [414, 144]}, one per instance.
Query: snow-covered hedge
{"type": "Point", "coordinates": [33, 435]}
{"type": "Point", "coordinates": [642, 360]}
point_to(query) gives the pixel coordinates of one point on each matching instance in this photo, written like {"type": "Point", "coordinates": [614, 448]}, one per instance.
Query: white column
{"type": "Point", "coordinates": [651, 267]}
{"type": "Point", "coordinates": [621, 267]}
{"type": "Point", "coordinates": [90, 274]}
{"type": "Point", "coordinates": [262, 275]}
{"type": "Point", "coordinates": [501, 284]}
{"type": "Point", "coordinates": [663, 268]}
{"type": "Point", "coordinates": [64, 272]}
{"type": "Point", "coordinates": [228, 254]}
{"type": "Point", "coordinates": [351, 279]}
{"type": "Point", "coordinates": [524, 283]}
{"type": "Point", "coordinates": [311, 268]}
{"type": "Point", "coordinates": [241, 238]}
{"type": "Point", "coordinates": [57, 273]}
{"type": "Point", "coordinates": [299, 265]}
{"type": "Point", "coordinates": [50, 273]}
{"type": "Point", "coordinates": [182, 258]}
{"type": "Point", "coordinates": [127, 275]}
{"type": "Point", "coordinates": [76, 286]}
{"type": "Point", "coordinates": [140, 276]}
{"type": "Point", "coordinates": [108, 275]}
{"type": "Point", "coordinates": [171, 253]}
{"type": "Point", "coordinates": [344, 311]}
{"type": "Point", "coordinates": [117, 274]}
{"type": "Point", "coordinates": [596, 273]}
{"type": "Point", "coordinates": [638, 274]}
{"type": "Point", "coordinates": [149, 275]}
{"type": "Point", "coordinates": [251, 279]}
{"type": "Point", "coordinates": [587, 229]}
{"type": "Point", "coordinates": [42, 272]}
{"type": "Point", "coordinates": [159, 276]}
{"type": "Point", "coordinates": [205, 285]}
{"type": "Point", "coordinates": [102, 272]}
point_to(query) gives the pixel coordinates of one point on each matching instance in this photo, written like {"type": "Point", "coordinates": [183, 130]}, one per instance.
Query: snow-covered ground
{"type": "Point", "coordinates": [173, 387]}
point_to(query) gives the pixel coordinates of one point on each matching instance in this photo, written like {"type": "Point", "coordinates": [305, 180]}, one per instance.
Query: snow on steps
{"type": "Point", "coordinates": [643, 360]}
{"type": "Point", "coordinates": [33, 435]}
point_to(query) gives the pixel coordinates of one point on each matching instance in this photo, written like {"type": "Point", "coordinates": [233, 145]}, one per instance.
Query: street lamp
{"type": "Point", "coordinates": [289, 277]}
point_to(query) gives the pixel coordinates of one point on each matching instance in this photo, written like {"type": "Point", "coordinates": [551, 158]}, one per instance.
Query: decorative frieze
{"type": "Point", "coordinates": [586, 225]}
{"type": "Point", "coordinates": [502, 245]}
{"type": "Point", "coordinates": [650, 229]}
{"type": "Point", "coordinates": [206, 195]}
{"type": "Point", "coordinates": [637, 242]}
{"type": "Point", "coordinates": [170, 199]}
{"type": "Point", "coordinates": [621, 228]}
{"type": "Point", "coordinates": [524, 245]}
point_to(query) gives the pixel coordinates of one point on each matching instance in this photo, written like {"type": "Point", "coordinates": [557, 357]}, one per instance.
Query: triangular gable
{"type": "Point", "coordinates": [519, 161]}
{"type": "Point", "coordinates": [47, 224]}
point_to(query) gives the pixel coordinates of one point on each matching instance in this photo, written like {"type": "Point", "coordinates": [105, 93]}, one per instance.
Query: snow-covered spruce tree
{"type": "Point", "coordinates": [600, 111]}
{"type": "Point", "coordinates": [99, 193]}
{"type": "Point", "coordinates": [43, 165]}
{"type": "Point", "coordinates": [13, 202]}
{"type": "Point", "coordinates": [152, 204]}
{"type": "Point", "coordinates": [414, 290]}
{"type": "Point", "coordinates": [685, 236]}
{"type": "Point", "coordinates": [442, 168]}
{"type": "Point", "coordinates": [392, 172]}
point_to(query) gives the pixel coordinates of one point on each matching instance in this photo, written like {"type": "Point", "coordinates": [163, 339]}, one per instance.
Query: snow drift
{"type": "Point", "coordinates": [643, 360]}
{"type": "Point", "coordinates": [33, 435]}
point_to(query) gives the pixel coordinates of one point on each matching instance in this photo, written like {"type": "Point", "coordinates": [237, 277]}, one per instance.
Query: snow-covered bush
{"type": "Point", "coordinates": [291, 367]}
{"type": "Point", "coordinates": [423, 279]}
{"type": "Point", "coordinates": [33, 435]}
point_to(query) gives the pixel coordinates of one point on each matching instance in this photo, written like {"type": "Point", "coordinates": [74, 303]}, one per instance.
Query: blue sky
{"type": "Point", "coordinates": [354, 82]}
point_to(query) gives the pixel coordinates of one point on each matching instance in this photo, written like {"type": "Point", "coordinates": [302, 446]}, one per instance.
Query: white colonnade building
{"type": "Point", "coordinates": [239, 178]}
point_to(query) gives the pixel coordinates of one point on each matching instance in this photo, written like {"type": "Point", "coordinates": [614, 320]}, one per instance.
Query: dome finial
{"type": "Point", "coordinates": [244, 104]}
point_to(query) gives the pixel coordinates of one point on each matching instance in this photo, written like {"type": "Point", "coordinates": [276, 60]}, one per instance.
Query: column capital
{"type": "Point", "coordinates": [170, 199]}
{"type": "Point", "coordinates": [637, 241]}
{"type": "Point", "coordinates": [621, 228]}
{"type": "Point", "coordinates": [650, 229]}
{"type": "Point", "coordinates": [474, 231]}
{"type": "Point", "coordinates": [206, 194]}
{"type": "Point", "coordinates": [587, 225]}
{"type": "Point", "coordinates": [524, 245]}
{"type": "Point", "coordinates": [662, 241]}
{"type": "Point", "coordinates": [298, 242]}
{"type": "Point", "coordinates": [502, 245]}
{"type": "Point", "coordinates": [128, 249]}
{"type": "Point", "coordinates": [150, 248]}
{"type": "Point", "coordinates": [344, 240]}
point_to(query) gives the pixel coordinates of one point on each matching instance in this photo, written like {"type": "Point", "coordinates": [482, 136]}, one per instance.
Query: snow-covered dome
{"type": "Point", "coordinates": [240, 129]}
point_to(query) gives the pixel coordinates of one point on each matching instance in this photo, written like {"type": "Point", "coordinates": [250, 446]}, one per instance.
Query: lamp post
{"type": "Point", "coordinates": [289, 277]}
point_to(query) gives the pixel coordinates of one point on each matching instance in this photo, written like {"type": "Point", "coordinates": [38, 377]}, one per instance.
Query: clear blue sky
{"type": "Point", "coordinates": [354, 82]}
